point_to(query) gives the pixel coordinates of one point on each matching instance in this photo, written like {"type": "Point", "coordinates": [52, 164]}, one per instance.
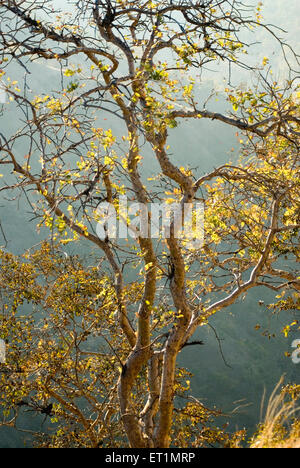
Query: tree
{"type": "Point", "coordinates": [136, 62]}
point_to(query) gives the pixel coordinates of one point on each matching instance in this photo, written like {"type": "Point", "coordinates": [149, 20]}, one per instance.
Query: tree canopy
{"type": "Point", "coordinates": [102, 341]}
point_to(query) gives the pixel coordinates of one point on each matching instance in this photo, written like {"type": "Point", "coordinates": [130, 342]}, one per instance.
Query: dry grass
{"type": "Point", "coordinates": [281, 426]}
